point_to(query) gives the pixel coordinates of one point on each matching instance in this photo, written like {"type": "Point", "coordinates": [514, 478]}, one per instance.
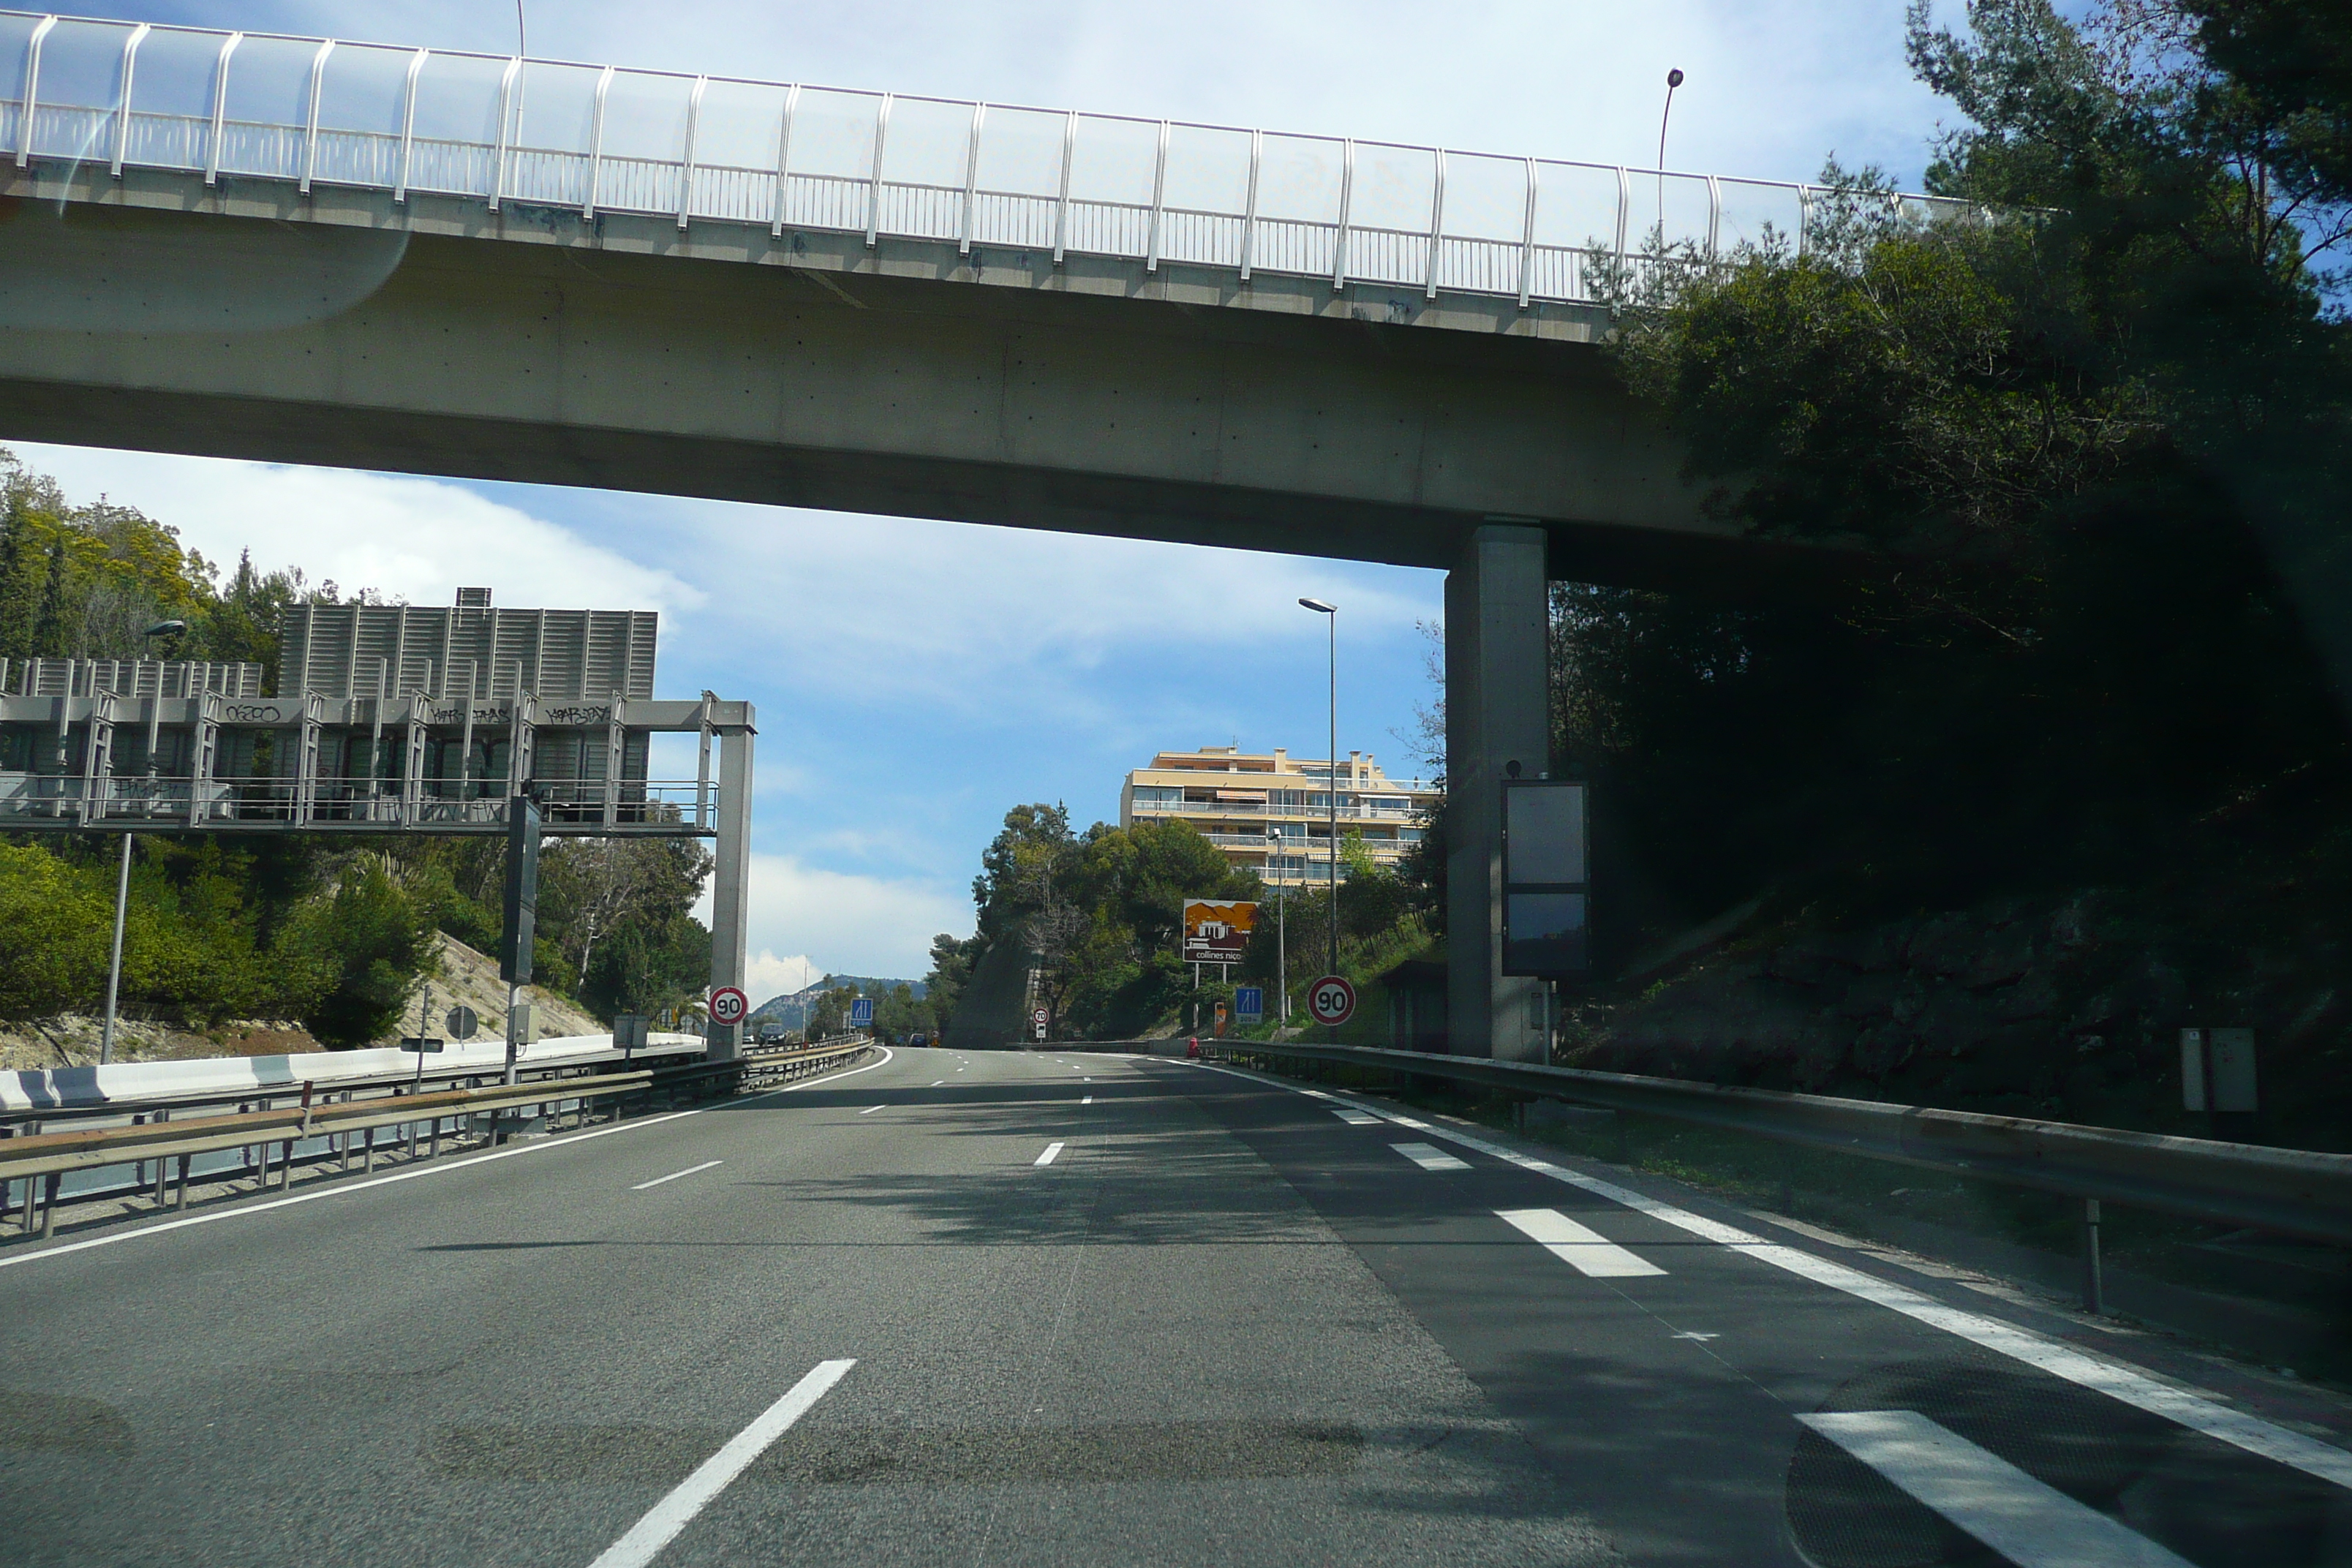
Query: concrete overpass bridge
{"type": "Point", "coordinates": [306, 251]}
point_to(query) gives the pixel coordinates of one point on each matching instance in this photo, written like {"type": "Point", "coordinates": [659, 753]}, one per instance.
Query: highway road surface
{"type": "Point", "coordinates": [1017, 1308]}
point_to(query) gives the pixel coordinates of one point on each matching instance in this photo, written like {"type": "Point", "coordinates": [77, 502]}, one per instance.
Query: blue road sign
{"type": "Point", "coordinates": [1249, 1002]}
{"type": "Point", "coordinates": [861, 1013]}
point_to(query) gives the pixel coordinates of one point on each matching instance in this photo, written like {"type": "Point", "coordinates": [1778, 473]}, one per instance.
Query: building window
{"type": "Point", "coordinates": [1410, 834]}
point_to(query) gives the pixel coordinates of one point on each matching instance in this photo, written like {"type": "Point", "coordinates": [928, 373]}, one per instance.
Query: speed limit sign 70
{"type": "Point", "coordinates": [727, 1005]}
{"type": "Point", "coordinates": [1331, 1000]}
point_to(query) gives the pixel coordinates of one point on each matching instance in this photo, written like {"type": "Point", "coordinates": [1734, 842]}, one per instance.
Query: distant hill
{"type": "Point", "coordinates": [791, 1010]}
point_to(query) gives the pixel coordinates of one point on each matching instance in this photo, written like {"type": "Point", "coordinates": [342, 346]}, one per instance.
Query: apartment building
{"type": "Point", "coordinates": [1269, 811]}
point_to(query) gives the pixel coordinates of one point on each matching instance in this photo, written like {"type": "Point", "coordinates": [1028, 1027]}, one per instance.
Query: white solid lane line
{"type": "Point", "coordinates": [1430, 1157]}
{"type": "Point", "coordinates": [2117, 1381]}
{"type": "Point", "coordinates": [869, 1111]}
{"type": "Point", "coordinates": [1353, 1117]}
{"type": "Point", "coordinates": [674, 1175]}
{"type": "Point", "coordinates": [1053, 1151]}
{"type": "Point", "coordinates": [2031, 1524]}
{"type": "Point", "coordinates": [662, 1522]}
{"type": "Point", "coordinates": [513, 1151]}
{"type": "Point", "coordinates": [1587, 1251]}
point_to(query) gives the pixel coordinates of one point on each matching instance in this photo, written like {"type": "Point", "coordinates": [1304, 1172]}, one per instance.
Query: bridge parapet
{"type": "Point", "coordinates": [561, 137]}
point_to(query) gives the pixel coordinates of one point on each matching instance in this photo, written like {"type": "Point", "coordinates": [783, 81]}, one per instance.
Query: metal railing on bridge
{"type": "Point", "coordinates": [599, 139]}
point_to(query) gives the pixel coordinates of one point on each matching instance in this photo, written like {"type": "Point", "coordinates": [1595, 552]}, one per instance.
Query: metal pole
{"type": "Point", "coordinates": [1673, 81]}
{"type": "Point", "coordinates": [424, 1016]}
{"type": "Point", "coordinates": [514, 1038]}
{"type": "Point", "coordinates": [2094, 1296]}
{"type": "Point", "coordinates": [1281, 952]}
{"type": "Point", "coordinates": [114, 962]}
{"type": "Point", "coordinates": [1332, 799]}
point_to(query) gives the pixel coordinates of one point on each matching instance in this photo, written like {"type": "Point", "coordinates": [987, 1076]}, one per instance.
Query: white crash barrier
{"type": "Point", "coordinates": [139, 1083]}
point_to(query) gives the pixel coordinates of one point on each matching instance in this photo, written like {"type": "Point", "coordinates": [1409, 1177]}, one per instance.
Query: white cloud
{"type": "Point", "coordinates": [412, 539]}
{"type": "Point", "coordinates": [967, 615]}
{"type": "Point", "coordinates": [767, 975]}
{"type": "Point", "coordinates": [847, 924]}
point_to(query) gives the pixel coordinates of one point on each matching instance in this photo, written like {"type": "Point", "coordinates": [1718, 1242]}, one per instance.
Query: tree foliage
{"type": "Point", "coordinates": [1098, 915]}
{"type": "Point", "coordinates": [87, 582]}
{"type": "Point", "coordinates": [2096, 419]}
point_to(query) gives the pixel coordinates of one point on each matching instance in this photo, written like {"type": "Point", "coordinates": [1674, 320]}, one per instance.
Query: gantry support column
{"type": "Point", "coordinates": [730, 877]}
{"type": "Point", "coordinates": [1497, 713]}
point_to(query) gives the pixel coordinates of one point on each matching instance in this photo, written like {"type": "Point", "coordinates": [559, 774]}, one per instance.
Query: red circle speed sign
{"type": "Point", "coordinates": [727, 1005]}
{"type": "Point", "coordinates": [1331, 1000]}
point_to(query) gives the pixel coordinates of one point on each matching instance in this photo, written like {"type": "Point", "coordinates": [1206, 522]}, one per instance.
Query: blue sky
{"type": "Point", "coordinates": [914, 679]}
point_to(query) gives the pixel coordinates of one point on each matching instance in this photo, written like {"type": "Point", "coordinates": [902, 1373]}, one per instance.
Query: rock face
{"type": "Point", "coordinates": [2036, 1008]}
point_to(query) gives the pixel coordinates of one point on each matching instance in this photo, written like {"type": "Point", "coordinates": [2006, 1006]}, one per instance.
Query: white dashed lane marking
{"type": "Point", "coordinates": [1430, 1157]}
{"type": "Point", "coordinates": [2026, 1521]}
{"type": "Point", "coordinates": [1587, 1251]}
{"type": "Point", "coordinates": [1053, 1151]}
{"type": "Point", "coordinates": [674, 1175]}
{"type": "Point", "coordinates": [1353, 1117]}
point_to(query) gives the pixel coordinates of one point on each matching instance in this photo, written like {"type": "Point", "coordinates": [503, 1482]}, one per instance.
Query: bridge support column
{"type": "Point", "coordinates": [1497, 713]}
{"type": "Point", "coordinates": [730, 879]}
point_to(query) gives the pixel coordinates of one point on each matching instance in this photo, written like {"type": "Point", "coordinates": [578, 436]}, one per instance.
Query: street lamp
{"type": "Point", "coordinates": [1331, 778]}
{"type": "Point", "coordinates": [1281, 925]}
{"type": "Point", "coordinates": [1673, 81]}
{"type": "Point", "coordinates": [123, 881]}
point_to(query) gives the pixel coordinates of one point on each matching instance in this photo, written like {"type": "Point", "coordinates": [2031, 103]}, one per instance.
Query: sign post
{"type": "Point", "coordinates": [515, 941]}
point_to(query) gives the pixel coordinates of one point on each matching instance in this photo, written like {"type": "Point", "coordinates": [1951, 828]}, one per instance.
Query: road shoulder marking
{"type": "Point", "coordinates": [1053, 1152]}
{"type": "Point", "coordinates": [2128, 1384]}
{"type": "Point", "coordinates": [662, 1522]}
{"type": "Point", "coordinates": [1586, 1250]}
{"type": "Point", "coordinates": [2028, 1521]}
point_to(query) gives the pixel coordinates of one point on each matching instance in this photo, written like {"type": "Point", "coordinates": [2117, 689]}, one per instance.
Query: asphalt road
{"type": "Point", "coordinates": [1022, 1309]}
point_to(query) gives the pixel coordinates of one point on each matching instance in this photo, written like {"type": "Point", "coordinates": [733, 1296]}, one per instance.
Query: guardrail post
{"type": "Point", "coordinates": [49, 1204]}
{"type": "Point", "coordinates": [2094, 1297]}
{"type": "Point", "coordinates": [184, 1161]}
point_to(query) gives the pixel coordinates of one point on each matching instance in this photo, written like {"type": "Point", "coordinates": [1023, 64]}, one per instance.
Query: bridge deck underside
{"type": "Point", "coordinates": [346, 332]}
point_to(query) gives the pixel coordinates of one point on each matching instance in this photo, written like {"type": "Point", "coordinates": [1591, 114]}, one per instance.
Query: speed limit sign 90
{"type": "Point", "coordinates": [727, 1005]}
{"type": "Point", "coordinates": [1331, 1000]}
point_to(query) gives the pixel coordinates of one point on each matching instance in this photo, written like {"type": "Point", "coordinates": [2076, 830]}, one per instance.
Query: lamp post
{"type": "Point", "coordinates": [1673, 81]}
{"type": "Point", "coordinates": [122, 880]}
{"type": "Point", "coordinates": [1281, 928]}
{"type": "Point", "coordinates": [1331, 779]}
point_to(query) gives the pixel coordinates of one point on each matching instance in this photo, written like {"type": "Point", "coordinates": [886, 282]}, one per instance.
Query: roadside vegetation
{"type": "Point", "coordinates": [2076, 700]}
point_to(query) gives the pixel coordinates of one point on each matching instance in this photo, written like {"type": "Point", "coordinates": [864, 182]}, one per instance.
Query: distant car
{"type": "Point", "coordinates": [919, 1039]}
{"type": "Point", "coordinates": [772, 1033]}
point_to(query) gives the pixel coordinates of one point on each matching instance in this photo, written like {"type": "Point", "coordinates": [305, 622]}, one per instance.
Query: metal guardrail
{"type": "Point", "coordinates": [2295, 1192]}
{"type": "Point", "coordinates": [437, 1069]}
{"type": "Point", "coordinates": [41, 1160]}
{"type": "Point", "coordinates": [593, 140]}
